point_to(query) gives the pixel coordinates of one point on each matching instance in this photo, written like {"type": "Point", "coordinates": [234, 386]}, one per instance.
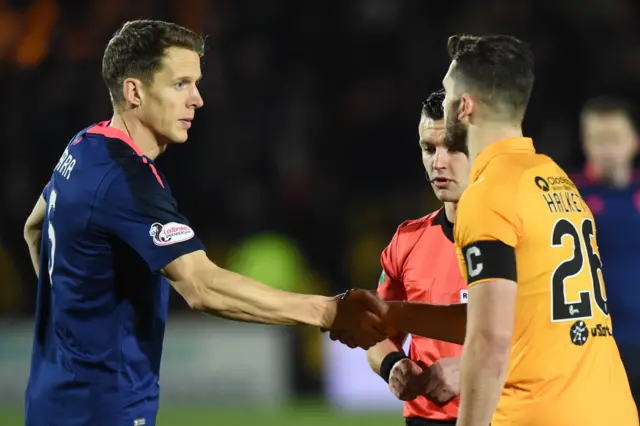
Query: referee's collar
{"type": "Point", "coordinates": [447, 227]}
{"type": "Point", "coordinates": [504, 146]}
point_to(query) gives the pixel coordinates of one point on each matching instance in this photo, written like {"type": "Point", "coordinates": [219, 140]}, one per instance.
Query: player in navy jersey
{"type": "Point", "coordinates": [611, 187]}
{"type": "Point", "coordinates": [106, 240]}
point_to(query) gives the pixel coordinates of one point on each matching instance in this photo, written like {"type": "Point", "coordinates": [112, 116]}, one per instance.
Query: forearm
{"type": "Point", "coordinates": [484, 367]}
{"type": "Point", "coordinates": [439, 322]}
{"type": "Point", "coordinates": [33, 232]}
{"type": "Point", "coordinates": [376, 354]}
{"type": "Point", "coordinates": [229, 295]}
{"type": "Point", "coordinates": [32, 238]}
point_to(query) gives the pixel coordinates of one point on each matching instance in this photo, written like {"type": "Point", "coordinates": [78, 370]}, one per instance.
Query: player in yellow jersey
{"type": "Point", "coordinates": [539, 349]}
{"type": "Point", "coordinates": [538, 344]}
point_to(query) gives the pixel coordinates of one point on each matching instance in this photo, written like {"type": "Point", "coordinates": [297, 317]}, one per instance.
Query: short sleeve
{"type": "Point", "coordinates": [487, 231]}
{"type": "Point", "coordinates": [390, 286]}
{"type": "Point", "coordinates": [142, 212]}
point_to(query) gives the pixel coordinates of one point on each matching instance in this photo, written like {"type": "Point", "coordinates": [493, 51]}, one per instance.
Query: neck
{"type": "Point", "coordinates": [480, 137]}
{"type": "Point", "coordinates": [141, 135]}
{"type": "Point", "coordinates": [450, 209]}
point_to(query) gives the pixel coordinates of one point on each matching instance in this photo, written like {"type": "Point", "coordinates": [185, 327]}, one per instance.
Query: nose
{"type": "Point", "coordinates": [196, 100]}
{"type": "Point", "coordinates": [441, 159]}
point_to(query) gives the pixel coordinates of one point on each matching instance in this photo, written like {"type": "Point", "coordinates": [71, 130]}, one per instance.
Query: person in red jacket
{"type": "Point", "coordinates": [420, 265]}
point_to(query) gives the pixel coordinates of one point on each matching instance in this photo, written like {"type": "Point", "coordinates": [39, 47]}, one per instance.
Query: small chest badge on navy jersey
{"type": "Point", "coordinates": [170, 233]}
{"type": "Point", "coordinates": [463, 296]}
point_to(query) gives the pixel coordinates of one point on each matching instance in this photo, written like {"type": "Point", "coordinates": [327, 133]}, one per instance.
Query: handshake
{"type": "Point", "coordinates": [360, 320]}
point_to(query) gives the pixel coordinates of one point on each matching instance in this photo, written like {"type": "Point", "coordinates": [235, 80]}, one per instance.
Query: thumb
{"type": "Point", "coordinates": [371, 301]}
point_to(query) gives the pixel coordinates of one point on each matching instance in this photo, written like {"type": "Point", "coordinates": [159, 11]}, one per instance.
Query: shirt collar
{"type": "Point", "coordinates": [509, 145]}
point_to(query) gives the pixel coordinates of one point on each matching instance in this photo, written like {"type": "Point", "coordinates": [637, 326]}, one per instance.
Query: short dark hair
{"type": "Point", "coordinates": [498, 67]}
{"type": "Point", "coordinates": [608, 104]}
{"type": "Point", "coordinates": [137, 49]}
{"type": "Point", "coordinates": [432, 107]}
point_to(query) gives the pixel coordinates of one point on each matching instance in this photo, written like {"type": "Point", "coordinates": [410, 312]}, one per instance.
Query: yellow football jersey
{"type": "Point", "coordinates": [523, 219]}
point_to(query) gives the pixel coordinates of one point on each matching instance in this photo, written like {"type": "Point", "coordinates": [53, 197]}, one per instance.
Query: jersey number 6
{"type": "Point", "coordinates": [51, 233]}
{"type": "Point", "coordinates": [561, 309]}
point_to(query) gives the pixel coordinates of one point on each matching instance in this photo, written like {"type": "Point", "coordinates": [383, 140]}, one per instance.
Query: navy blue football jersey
{"type": "Point", "coordinates": [111, 225]}
{"type": "Point", "coordinates": [617, 215]}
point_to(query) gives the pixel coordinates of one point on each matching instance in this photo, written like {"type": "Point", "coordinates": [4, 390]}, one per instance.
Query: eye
{"type": "Point", "coordinates": [180, 85]}
{"type": "Point", "coordinates": [429, 149]}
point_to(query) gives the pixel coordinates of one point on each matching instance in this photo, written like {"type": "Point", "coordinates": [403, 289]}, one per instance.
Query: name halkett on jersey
{"type": "Point", "coordinates": [170, 233]}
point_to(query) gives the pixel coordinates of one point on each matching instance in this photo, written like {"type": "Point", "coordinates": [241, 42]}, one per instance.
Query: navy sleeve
{"type": "Point", "coordinates": [138, 208]}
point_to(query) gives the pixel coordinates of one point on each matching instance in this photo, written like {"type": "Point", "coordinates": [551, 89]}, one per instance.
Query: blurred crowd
{"type": "Point", "coordinates": [305, 158]}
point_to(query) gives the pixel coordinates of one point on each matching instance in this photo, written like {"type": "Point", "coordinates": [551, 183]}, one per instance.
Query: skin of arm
{"type": "Point", "coordinates": [208, 288]}
{"type": "Point", "coordinates": [217, 291]}
{"type": "Point", "coordinates": [440, 322]}
{"type": "Point", "coordinates": [33, 232]}
{"type": "Point", "coordinates": [486, 353]}
{"type": "Point", "coordinates": [376, 354]}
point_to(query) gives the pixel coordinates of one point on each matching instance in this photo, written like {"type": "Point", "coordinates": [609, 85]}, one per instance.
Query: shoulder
{"type": "Point", "coordinates": [501, 182]}
{"type": "Point", "coordinates": [132, 168]}
{"type": "Point", "coordinates": [410, 231]}
{"type": "Point", "coordinates": [413, 228]}
{"type": "Point", "coordinates": [135, 182]}
{"type": "Point", "coordinates": [413, 225]}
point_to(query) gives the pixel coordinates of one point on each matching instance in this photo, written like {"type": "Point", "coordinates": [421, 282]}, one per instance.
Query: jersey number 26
{"type": "Point", "coordinates": [561, 309]}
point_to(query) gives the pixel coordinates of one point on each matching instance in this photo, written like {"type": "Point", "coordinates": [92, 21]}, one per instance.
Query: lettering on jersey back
{"type": "Point", "coordinates": [560, 194]}
{"type": "Point", "coordinates": [65, 164]}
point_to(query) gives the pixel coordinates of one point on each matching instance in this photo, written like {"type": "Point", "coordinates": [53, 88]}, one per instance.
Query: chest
{"type": "Point", "coordinates": [430, 272]}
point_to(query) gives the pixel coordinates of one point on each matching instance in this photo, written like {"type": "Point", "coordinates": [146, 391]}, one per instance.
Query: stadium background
{"type": "Point", "coordinates": [298, 169]}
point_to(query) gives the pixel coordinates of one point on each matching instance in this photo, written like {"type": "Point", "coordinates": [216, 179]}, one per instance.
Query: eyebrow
{"type": "Point", "coordinates": [189, 78]}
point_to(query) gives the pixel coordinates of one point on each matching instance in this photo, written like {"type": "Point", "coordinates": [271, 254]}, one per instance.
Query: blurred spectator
{"type": "Point", "coordinates": [611, 187]}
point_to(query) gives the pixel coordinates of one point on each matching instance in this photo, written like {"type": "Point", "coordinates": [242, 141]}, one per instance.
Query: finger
{"type": "Point", "coordinates": [408, 394]}
{"type": "Point", "coordinates": [441, 396]}
{"type": "Point", "coordinates": [431, 386]}
{"type": "Point", "coordinates": [371, 302]}
{"type": "Point", "coordinates": [347, 339]}
{"type": "Point", "coordinates": [382, 327]}
{"type": "Point", "coordinates": [395, 391]}
{"type": "Point", "coordinates": [372, 326]}
{"type": "Point", "coordinates": [335, 335]}
{"type": "Point", "coordinates": [399, 390]}
{"type": "Point", "coordinates": [380, 309]}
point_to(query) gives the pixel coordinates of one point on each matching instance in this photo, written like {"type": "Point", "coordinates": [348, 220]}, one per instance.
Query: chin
{"type": "Point", "coordinates": [447, 196]}
{"type": "Point", "coordinates": [179, 137]}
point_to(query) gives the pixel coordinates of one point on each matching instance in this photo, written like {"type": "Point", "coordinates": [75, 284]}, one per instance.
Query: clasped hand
{"type": "Point", "coordinates": [360, 319]}
{"type": "Point", "coordinates": [439, 382]}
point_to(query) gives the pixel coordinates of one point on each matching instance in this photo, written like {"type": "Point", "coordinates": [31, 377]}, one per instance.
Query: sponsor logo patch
{"type": "Point", "coordinates": [170, 233]}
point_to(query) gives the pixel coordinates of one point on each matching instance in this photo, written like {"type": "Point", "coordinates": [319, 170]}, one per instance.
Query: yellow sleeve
{"type": "Point", "coordinates": [487, 230]}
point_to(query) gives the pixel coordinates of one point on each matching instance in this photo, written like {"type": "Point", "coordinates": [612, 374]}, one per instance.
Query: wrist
{"type": "Point", "coordinates": [328, 309]}
{"type": "Point", "coordinates": [391, 359]}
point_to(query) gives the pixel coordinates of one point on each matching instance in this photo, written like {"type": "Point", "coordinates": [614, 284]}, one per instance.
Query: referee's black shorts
{"type": "Point", "coordinates": [418, 421]}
